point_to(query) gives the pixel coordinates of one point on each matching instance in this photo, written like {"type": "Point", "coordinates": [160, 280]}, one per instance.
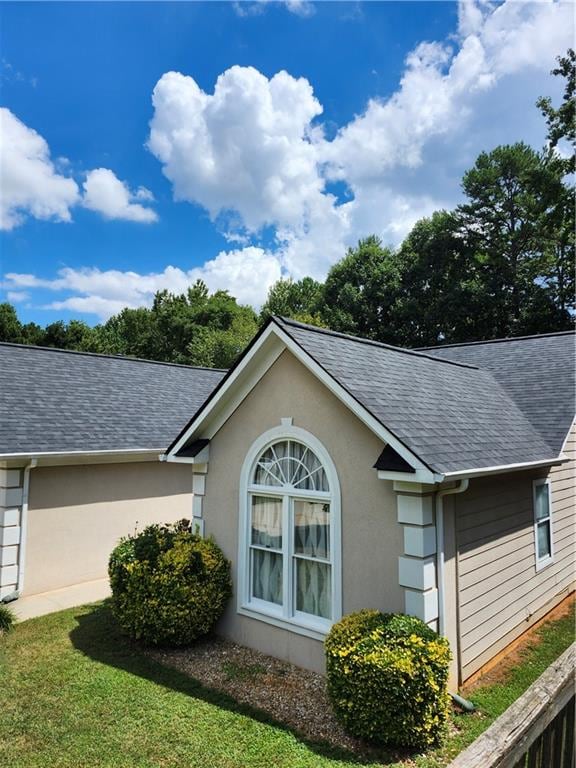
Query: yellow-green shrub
{"type": "Point", "coordinates": [169, 586]}
{"type": "Point", "coordinates": [387, 677]}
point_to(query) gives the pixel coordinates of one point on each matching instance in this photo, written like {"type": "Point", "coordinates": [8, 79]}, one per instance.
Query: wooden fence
{"type": "Point", "coordinates": [537, 731]}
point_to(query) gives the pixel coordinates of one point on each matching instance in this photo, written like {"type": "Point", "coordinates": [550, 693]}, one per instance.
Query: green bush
{"type": "Point", "coordinates": [387, 677]}
{"type": "Point", "coordinates": [169, 586]}
{"type": "Point", "coordinates": [7, 619]}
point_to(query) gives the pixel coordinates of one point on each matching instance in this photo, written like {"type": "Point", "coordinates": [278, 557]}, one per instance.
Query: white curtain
{"type": "Point", "coordinates": [266, 532]}
{"type": "Point", "coordinates": [312, 540]}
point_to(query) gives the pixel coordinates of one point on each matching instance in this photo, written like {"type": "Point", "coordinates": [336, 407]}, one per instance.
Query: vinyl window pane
{"type": "Point", "coordinates": [313, 588]}
{"type": "Point", "coordinates": [544, 540]}
{"type": "Point", "coordinates": [542, 502]}
{"type": "Point", "coordinates": [267, 576]}
{"type": "Point", "coordinates": [312, 528]}
{"type": "Point", "coordinates": [266, 522]}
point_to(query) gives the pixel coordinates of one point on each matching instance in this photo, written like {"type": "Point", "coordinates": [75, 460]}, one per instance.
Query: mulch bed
{"type": "Point", "coordinates": [294, 697]}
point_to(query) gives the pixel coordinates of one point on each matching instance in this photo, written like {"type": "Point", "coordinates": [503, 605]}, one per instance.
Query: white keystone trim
{"type": "Point", "coordinates": [419, 541]}
{"type": "Point", "coordinates": [424, 605]}
{"type": "Point", "coordinates": [415, 510]}
{"type": "Point", "coordinates": [417, 573]}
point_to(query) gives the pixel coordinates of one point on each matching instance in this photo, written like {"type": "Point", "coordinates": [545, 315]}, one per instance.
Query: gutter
{"type": "Point", "coordinates": [463, 486]}
{"type": "Point", "coordinates": [468, 706]}
{"type": "Point", "coordinates": [24, 526]}
{"type": "Point", "coordinates": [499, 469]}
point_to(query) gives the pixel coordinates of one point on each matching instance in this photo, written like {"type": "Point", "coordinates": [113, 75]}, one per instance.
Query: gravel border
{"type": "Point", "coordinates": [294, 697]}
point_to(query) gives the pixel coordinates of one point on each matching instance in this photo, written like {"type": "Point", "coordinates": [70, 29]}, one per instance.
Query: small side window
{"type": "Point", "coordinates": [542, 523]}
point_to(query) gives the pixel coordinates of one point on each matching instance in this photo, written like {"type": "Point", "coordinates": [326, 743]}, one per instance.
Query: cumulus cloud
{"type": "Point", "coordinates": [245, 8]}
{"type": "Point", "coordinates": [106, 194]}
{"type": "Point", "coordinates": [30, 185]}
{"type": "Point", "coordinates": [247, 273]}
{"type": "Point", "coordinates": [33, 185]}
{"type": "Point", "coordinates": [245, 148]}
{"type": "Point", "coordinates": [254, 155]}
{"type": "Point", "coordinates": [253, 152]}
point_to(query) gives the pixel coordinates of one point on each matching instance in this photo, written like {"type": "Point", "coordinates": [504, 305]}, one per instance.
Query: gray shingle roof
{"type": "Point", "coordinates": [536, 371]}
{"type": "Point", "coordinates": [59, 401]}
{"type": "Point", "coordinates": [454, 416]}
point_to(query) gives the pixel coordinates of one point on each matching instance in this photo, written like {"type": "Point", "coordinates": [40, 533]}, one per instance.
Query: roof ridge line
{"type": "Point", "coordinates": [371, 342]}
{"type": "Point", "coordinates": [108, 356]}
{"type": "Point", "coordinates": [499, 341]}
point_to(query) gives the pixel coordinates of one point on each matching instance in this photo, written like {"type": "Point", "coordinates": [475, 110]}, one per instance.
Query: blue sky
{"type": "Point", "coordinates": [236, 173]}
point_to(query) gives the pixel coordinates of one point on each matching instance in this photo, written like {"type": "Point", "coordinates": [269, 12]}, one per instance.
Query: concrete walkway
{"type": "Point", "coordinates": [59, 599]}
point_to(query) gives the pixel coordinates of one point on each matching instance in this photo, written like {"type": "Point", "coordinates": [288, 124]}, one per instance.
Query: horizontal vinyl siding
{"type": "Point", "coordinates": [500, 593]}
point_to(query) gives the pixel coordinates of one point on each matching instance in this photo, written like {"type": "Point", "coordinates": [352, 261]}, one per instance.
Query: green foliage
{"type": "Point", "coordinates": [562, 121]}
{"type": "Point", "coordinates": [360, 292]}
{"type": "Point", "coordinates": [7, 619]}
{"type": "Point", "coordinates": [387, 677]}
{"type": "Point", "coordinates": [169, 586]}
{"type": "Point", "coordinates": [301, 300]}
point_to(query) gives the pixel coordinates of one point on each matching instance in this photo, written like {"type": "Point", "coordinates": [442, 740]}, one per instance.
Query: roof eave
{"type": "Point", "coordinates": [503, 468]}
{"type": "Point", "coordinates": [72, 457]}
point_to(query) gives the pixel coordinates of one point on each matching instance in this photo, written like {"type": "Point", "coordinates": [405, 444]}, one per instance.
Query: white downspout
{"type": "Point", "coordinates": [463, 486]}
{"type": "Point", "coordinates": [24, 525]}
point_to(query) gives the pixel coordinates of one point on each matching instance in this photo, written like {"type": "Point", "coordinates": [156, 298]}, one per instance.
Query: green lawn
{"type": "Point", "coordinates": [74, 694]}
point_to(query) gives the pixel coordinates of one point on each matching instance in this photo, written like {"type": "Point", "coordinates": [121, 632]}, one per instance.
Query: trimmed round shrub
{"type": "Point", "coordinates": [169, 585]}
{"type": "Point", "coordinates": [387, 678]}
{"type": "Point", "coordinates": [7, 619]}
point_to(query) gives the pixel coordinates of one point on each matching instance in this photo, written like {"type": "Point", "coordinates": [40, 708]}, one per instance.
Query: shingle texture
{"type": "Point", "coordinates": [452, 416]}
{"type": "Point", "coordinates": [65, 401]}
{"type": "Point", "coordinates": [537, 372]}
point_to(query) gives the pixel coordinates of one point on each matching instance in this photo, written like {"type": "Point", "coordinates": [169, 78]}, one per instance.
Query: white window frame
{"type": "Point", "coordinates": [283, 615]}
{"type": "Point", "coordinates": [543, 562]}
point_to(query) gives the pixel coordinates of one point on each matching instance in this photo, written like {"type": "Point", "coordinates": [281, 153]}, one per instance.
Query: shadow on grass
{"type": "Point", "coordinates": [98, 637]}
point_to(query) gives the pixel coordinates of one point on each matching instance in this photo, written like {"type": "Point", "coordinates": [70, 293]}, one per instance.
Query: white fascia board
{"type": "Point", "coordinates": [568, 435]}
{"type": "Point", "coordinates": [498, 470]}
{"type": "Point", "coordinates": [239, 384]}
{"type": "Point", "coordinates": [71, 457]}
{"type": "Point", "coordinates": [420, 476]}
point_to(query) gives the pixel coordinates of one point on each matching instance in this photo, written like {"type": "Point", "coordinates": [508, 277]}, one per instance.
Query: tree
{"type": "Point", "coordinates": [562, 121]}
{"type": "Point", "coordinates": [10, 326]}
{"type": "Point", "coordinates": [301, 300]}
{"type": "Point", "coordinates": [361, 290]}
{"type": "Point", "coordinates": [511, 192]}
{"type": "Point", "coordinates": [440, 294]}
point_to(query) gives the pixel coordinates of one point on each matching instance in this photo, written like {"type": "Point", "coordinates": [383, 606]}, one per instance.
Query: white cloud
{"type": "Point", "coordinates": [17, 296]}
{"type": "Point", "coordinates": [246, 8]}
{"type": "Point", "coordinates": [247, 273]}
{"type": "Point", "coordinates": [29, 182]}
{"type": "Point", "coordinates": [254, 155]}
{"type": "Point", "coordinates": [33, 185]}
{"type": "Point", "coordinates": [106, 194]}
{"type": "Point", "coordinates": [245, 148]}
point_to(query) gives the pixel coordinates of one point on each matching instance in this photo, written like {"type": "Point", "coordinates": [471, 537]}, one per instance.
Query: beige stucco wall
{"type": "Point", "coordinates": [500, 592]}
{"type": "Point", "coordinates": [371, 536]}
{"type": "Point", "coordinates": [77, 514]}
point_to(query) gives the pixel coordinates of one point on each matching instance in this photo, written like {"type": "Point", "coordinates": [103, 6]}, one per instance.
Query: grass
{"type": "Point", "coordinates": [73, 693]}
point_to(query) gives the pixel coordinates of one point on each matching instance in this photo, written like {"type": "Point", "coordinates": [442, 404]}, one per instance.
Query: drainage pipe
{"type": "Point", "coordinates": [24, 525]}
{"type": "Point", "coordinates": [460, 488]}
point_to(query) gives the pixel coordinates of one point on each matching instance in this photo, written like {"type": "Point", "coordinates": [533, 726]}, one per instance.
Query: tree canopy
{"type": "Point", "coordinates": [500, 264]}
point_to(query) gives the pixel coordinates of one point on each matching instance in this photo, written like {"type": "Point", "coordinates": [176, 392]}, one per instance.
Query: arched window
{"type": "Point", "coordinates": [291, 532]}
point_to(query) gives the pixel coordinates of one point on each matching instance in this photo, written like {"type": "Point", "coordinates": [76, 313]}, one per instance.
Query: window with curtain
{"type": "Point", "coordinates": [290, 531]}
{"type": "Point", "coordinates": [542, 522]}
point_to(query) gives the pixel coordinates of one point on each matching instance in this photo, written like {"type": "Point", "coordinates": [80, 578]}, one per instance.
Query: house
{"type": "Point", "coordinates": [80, 437]}
{"type": "Point", "coordinates": [336, 473]}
